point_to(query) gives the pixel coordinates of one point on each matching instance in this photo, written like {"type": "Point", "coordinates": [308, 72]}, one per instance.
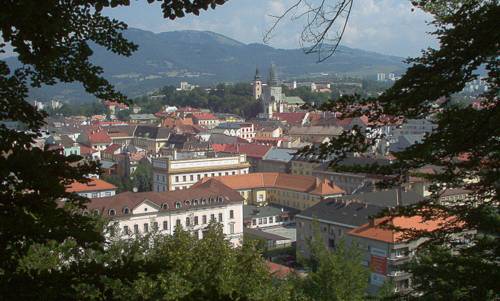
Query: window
{"type": "Point", "coordinates": [111, 212]}
{"type": "Point", "coordinates": [188, 221]}
{"type": "Point", "coordinates": [146, 228]}
{"type": "Point", "coordinates": [183, 178]}
{"type": "Point", "coordinates": [198, 176]}
{"type": "Point", "coordinates": [204, 219]}
{"type": "Point", "coordinates": [178, 223]}
{"type": "Point", "coordinates": [212, 217]}
{"type": "Point", "coordinates": [164, 206]}
{"type": "Point", "coordinates": [125, 230]}
{"type": "Point", "coordinates": [176, 179]}
{"type": "Point", "coordinates": [231, 214]}
{"type": "Point", "coordinates": [195, 221]}
{"type": "Point", "coordinates": [94, 194]}
{"type": "Point", "coordinates": [155, 226]}
{"type": "Point", "coordinates": [126, 210]}
{"type": "Point", "coordinates": [213, 174]}
{"type": "Point", "coordinates": [165, 225]}
{"type": "Point", "coordinates": [136, 229]}
{"type": "Point", "coordinates": [108, 193]}
{"type": "Point", "coordinates": [231, 228]}
{"type": "Point", "coordinates": [270, 219]}
{"type": "Point", "coordinates": [254, 222]}
{"type": "Point", "coordinates": [331, 243]}
{"type": "Point", "coordinates": [220, 217]}
{"type": "Point", "coordinates": [264, 220]}
{"type": "Point", "coordinates": [177, 205]}
{"type": "Point", "coordinates": [191, 177]}
{"type": "Point", "coordinates": [260, 221]}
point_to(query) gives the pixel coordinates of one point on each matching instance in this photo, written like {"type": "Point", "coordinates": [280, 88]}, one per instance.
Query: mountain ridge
{"type": "Point", "coordinates": [206, 58]}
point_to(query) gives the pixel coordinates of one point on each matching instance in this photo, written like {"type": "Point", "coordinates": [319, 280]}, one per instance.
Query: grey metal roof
{"type": "Point", "coordinates": [351, 214]}
{"type": "Point", "coordinates": [386, 198]}
{"type": "Point", "coordinates": [280, 154]}
{"type": "Point", "coordinates": [152, 132]}
{"type": "Point", "coordinates": [264, 235]}
{"type": "Point", "coordinates": [250, 211]}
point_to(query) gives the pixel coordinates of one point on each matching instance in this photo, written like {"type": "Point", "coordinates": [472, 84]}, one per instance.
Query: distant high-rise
{"type": "Point", "coordinates": [380, 77]}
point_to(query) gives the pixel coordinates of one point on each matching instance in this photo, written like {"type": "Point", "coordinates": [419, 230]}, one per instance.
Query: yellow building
{"type": "Point", "coordinates": [293, 191]}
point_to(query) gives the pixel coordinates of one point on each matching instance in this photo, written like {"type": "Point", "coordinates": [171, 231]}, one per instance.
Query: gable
{"type": "Point", "coordinates": [145, 206]}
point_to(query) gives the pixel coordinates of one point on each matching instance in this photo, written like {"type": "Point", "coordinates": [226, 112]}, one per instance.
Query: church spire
{"type": "Point", "coordinates": [273, 78]}
{"type": "Point", "coordinates": [257, 75]}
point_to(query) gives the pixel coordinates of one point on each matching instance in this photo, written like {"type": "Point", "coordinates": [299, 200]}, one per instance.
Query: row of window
{"type": "Point", "coordinates": [189, 222]}
{"type": "Point", "coordinates": [184, 178]}
{"type": "Point", "coordinates": [96, 194]}
{"type": "Point", "coordinates": [178, 205]}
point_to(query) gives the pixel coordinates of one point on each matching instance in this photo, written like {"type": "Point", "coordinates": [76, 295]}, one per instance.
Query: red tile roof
{"type": "Point", "coordinates": [252, 150]}
{"type": "Point", "coordinates": [375, 230]}
{"type": "Point", "coordinates": [112, 148]}
{"type": "Point", "coordinates": [204, 116]}
{"type": "Point", "coordinates": [99, 137]}
{"type": "Point", "coordinates": [299, 183]}
{"type": "Point", "coordinates": [279, 270]}
{"type": "Point", "coordinates": [92, 185]}
{"type": "Point", "coordinates": [290, 117]}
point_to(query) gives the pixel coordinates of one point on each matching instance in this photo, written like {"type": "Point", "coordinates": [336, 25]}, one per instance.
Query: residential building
{"type": "Point", "coordinates": [151, 138]}
{"type": "Point", "coordinates": [138, 213]}
{"type": "Point", "coordinates": [277, 160]}
{"type": "Point", "coordinates": [68, 145]}
{"type": "Point", "coordinates": [182, 170]}
{"type": "Point", "coordinates": [94, 188]}
{"type": "Point", "coordinates": [291, 191]}
{"type": "Point", "coordinates": [97, 139]}
{"type": "Point", "coordinates": [254, 152]}
{"type": "Point", "coordinates": [333, 218]}
{"type": "Point", "coordinates": [207, 120]}
{"type": "Point", "coordinates": [243, 130]}
{"type": "Point", "coordinates": [315, 134]}
{"type": "Point", "coordinates": [143, 119]}
{"type": "Point", "coordinates": [265, 216]}
{"type": "Point", "coordinates": [385, 251]}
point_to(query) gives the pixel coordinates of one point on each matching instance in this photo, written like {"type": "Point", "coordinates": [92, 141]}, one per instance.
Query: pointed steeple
{"type": "Point", "coordinates": [257, 75]}
{"type": "Point", "coordinates": [273, 78]}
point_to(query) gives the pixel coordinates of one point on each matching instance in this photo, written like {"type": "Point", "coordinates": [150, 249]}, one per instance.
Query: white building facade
{"type": "Point", "coordinates": [141, 213]}
{"type": "Point", "coordinates": [177, 174]}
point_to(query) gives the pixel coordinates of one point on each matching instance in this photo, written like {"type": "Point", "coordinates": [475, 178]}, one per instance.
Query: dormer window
{"type": "Point", "coordinates": [187, 202]}
{"type": "Point", "coordinates": [220, 199]}
{"type": "Point", "coordinates": [203, 201]}
{"type": "Point", "coordinates": [164, 206]}
{"type": "Point", "coordinates": [177, 205]}
{"type": "Point", "coordinates": [126, 210]}
{"type": "Point", "coordinates": [111, 212]}
{"type": "Point", "coordinates": [195, 202]}
{"type": "Point", "coordinates": [96, 211]}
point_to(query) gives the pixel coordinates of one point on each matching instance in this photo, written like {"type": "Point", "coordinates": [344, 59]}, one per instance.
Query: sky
{"type": "Point", "coordinates": [384, 26]}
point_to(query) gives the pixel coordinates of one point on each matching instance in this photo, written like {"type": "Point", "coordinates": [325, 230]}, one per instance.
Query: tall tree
{"type": "Point", "coordinates": [465, 146]}
{"type": "Point", "coordinates": [52, 40]}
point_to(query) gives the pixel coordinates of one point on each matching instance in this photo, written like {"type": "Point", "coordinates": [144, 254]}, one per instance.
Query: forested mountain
{"type": "Point", "coordinates": [203, 57]}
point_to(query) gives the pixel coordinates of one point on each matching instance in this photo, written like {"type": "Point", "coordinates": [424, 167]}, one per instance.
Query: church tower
{"type": "Point", "coordinates": [257, 85]}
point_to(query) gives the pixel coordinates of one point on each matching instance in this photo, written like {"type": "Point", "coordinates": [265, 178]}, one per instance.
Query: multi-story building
{"type": "Point", "coordinates": [291, 191]}
{"type": "Point", "coordinates": [386, 250]}
{"type": "Point", "coordinates": [243, 130]}
{"type": "Point", "coordinates": [334, 218]}
{"type": "Point", "coordinates": [207, 120]}
{"type": "Point", "coordinates": [137, 213]}
{"type": "Point", "coordinates": [151, 138]}
{"type": "Point", "coordinates": [95, 188]}
{"type": "Point", "coordinates": [182, 170]}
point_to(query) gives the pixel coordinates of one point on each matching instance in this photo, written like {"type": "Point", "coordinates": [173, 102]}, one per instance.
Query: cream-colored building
{"type": "Point", "coordinates": [192, 209]}
{"type": "Point", "coordinates": [182, 170]}
{"type": "Point", "coordinates": [293, 191]}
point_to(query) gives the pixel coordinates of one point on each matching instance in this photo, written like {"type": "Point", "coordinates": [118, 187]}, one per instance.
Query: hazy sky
{"type": "Point", "coordinates": [386, 26]}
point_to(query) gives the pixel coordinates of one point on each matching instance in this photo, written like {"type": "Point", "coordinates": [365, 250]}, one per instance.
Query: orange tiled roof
{"type": "Point", "coordinates": [298, 183]}
{"type": "Point", "coordinates": [92, 185]}
{"type": "Point", "coordinates": [416, 223]}
{"type": "Point", "coordinates": [278, 270]}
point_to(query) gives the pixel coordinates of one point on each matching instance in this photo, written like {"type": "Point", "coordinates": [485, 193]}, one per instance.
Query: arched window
{"type": "Point", "coordinates": [85, 212]}
{"type": "Point", "coordinates": [164, 206]}
{"type": "Point", "coordinates": [111, 212]}
{"type": "Point", "coordinates": [96, 211]}
{"type": "Point", "coordinates": [187, 202]}
{"type": "Point", "coordinates": [220, 199]}
{"type": "Point", "coordinates": [126, 210]}
{"type": "Point", "coordinates": [195, 202]}
{"type": "Point", "coordinates": [178, 205]}
{"type": "Point", "coordinates": [203, 201]}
